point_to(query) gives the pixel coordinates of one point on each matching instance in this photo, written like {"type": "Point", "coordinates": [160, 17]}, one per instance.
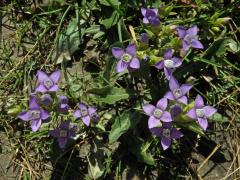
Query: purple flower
{"type": "Point", "coordinates": [166, 133]}
{"type": "Point", "coordinates": [64, 132]}
{"type": "Point", "coordinates": [157, 113]}
{"type": "Point", "coordinates": [127, 58]}
{"type": "Point", "coordinates": [47, 83]}
{"type": "Point", "coordinates": [201, 112]}
{"type": "Point", "coordinates": [35, 114]}
{"type": "Point", "coordinates": [177, 92]}
{"type": "Point", "coordinates": [86, 113]}
{"type": "Point", "coordinates": [144, 38]}
{"type": "Point", "coordinates": [46, 99]}
{"type": "Point", "coordinates": [150, 16]}
{"type": "Point", "coordinates": [168, 63]}
{"type": "Point", "coordinates": [63, 107]}
{"type": "Point", "coordinates": [175, 110]}
{"type": "Point", "coordinates": [189, 38]}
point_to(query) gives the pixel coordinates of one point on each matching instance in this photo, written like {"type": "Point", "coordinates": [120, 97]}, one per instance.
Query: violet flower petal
{"type": "Point", "coordinates": [41, 88]}
{"type": "Point", "coordinates": [77, 113]}
{"type": "Point", "coordinates": [86, 120]}
{"type": "Point", "coordinates": [117, 52]}
{"type": "Point", "coordinates": [196, 44]}
{"type": "Point", "coordinates": [159, 64]}
{"type": "Point", "coordinates": [209, 111]}
{"type": "Point", "coordinates": [165, 142]}
{"type": "Point", "coordinates": [25, 115]}
{"type": "Point", "coordinates": [192, 31]}
{"type": "Point", "coordinates": [175, 134]}
{"type": "Point", "coordinates": [55, 76]}
{"type": "Point", "coordinates": [44, 114]}
{"type": "Point", "coordinates": [135, 64]}
{"type": "Point", "coordinates": [173, 84]}
{"type": "Point", "coordinates": [153, 122]}
{"type": "Point", "coordinates": [185, 88]}
{"type": "Point", "coordinates": [162, 103]}
{"type": "Point", "coordinates": [35, 124]}
{"type": "Point", "coordinates": [203, 123]}
{"type": "Point", "coordinates": [131, 49]}
{"type": "Point", "coordinates": [166, 117]}
{"type": "Point", "coordinates": [33, 102]}
{"type": "Point", "coordinates": [168, 54]}
{"type": "Point", "coordinates": [148, 109]}
{"type": "Point", "coordinates": [192, 113]}
{"type": "Point", "coordinates": [199, 103]}
{"type": "Point", "coordinates": [121, 66]}
{"type": "Point", "coordinates": [169, 95]}
{"type": "Point", "coordinates": [183, 100]}
{"type": "Point", "coordinates": [41, 76]}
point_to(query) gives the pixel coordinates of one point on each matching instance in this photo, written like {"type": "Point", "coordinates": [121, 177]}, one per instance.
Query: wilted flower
{"type": "Point", "coordinates": [150, 16]}
{"type": "Point", "coordinates": [201, 112]}
{"type": "Point", "coordinates": [144, 38]}
{"type": "Point", "coordinates": [64, 107]}
{"type": "Point", "coordinates": [168, 63]}
{"type": "Point", "coordinates": [166, 133]}
{"type": "Point", "coordinates": [46, 99]}
{"type": "Point", "coordinates": [189, 38]}
{"type": "Point", "coordinates": [177, 92]}
{"type": "Point", "coordinates": [175, 110]}
{"type": "Point", "coordinates": [157, 113]}
{"type": "Point", "coordinates": [35, 114]}
{"type": "Point", "coordinates": [47, 83]}
{"type": "Point", "coordinates": [127, 58]}
{"type": "Point", "coordinates": [64, 132]}
{"type": "Point", "coordinates": [86, 113]}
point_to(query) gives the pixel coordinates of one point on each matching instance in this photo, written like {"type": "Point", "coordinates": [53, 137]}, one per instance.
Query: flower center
{"type": "Point", "coordinates": [177, 93]}
{"type": "Point", "coordinates": [48, 83]}
{"type": "Point", "coordinates": [126, 57]}
{"type": "Point", "coordinates": [63, 133]}
{"type": "Point", "coordinates": [168, 63]}
{"type": "Point", "coordinates": [157, 113]}
{"type": "Point", "coordinates": [188, 38]}
{"type": "Point", "coordinates": [200, 113]}
{"type": "Point", "coordinates": [84, 112]}
{"type": "Point", "coordinates": [35, 114]}
{"type": "Point", "coordinates": [166, 133]}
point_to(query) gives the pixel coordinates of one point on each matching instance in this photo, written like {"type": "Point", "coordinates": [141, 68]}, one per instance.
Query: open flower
{"type": "Point", "coordinates": [35, 114]}
{"type": "Point", "coordinates": [157, 113]}
{"type": "Point", "coordinates": [150, 16]}
{"type": "Point", "coordinates": [166, 133]}
{"type": "Point", "coordinates": [177, 92]}
{"type": "Point", "coordinates": [127, 58]}
{"type": "Point", "coordinates": [64, 132]}
{"type": "Point", "coordinates": [189, 38]}
{"type": "Point", "coordinates": [86, 113]}
{"type": "Point", "coordinates": [47, 83]}
{"type": "Point", "coordinates": [63, 107]}
{"type": "Point", "coordinates": [168, 63]}
{"type": "Point", "coordinates": [201, 112]}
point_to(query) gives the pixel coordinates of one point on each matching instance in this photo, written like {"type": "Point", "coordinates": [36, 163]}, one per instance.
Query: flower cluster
{"type": "Point", "coordinates": [45, 99]}
{"type": "Point", "coordinates": [162, 119]}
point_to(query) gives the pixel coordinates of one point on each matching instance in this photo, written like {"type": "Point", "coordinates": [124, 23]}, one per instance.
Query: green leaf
{"type": "Point", "coordinates": [113, 95]}
{"type": "Point", "coordinates": [139, 148]}
{"type": "Point", "coordinates": [111, 20]}
{"type": "Point", "coordinates": [94, 170]}
{"type": "Point", "coordinates": [122, 124]}
{"type": "Point", "coordinates": [219, 47]}
{"type": "Point", "coordinates": [69, 40]}
{"type": "Point", "coordinates": [217, 117]}
{"type": "Point", "coordinates": [109, 2]}
{"type": "Point", "coordinates": [192, 126]}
